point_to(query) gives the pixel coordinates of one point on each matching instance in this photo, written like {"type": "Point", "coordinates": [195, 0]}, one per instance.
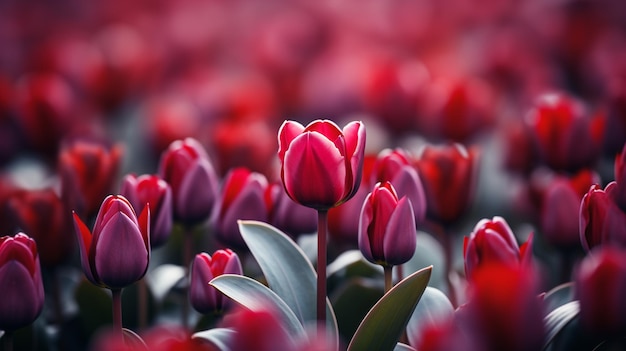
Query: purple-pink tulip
{"type": "Point", "coordinates": [387, 227]}
{"type": "Point", "coordinates": [601, 220]}
{"type": "Point", "coordinates": [289, 216]}
{"type": "Point", "coordinates": [244, 195]}
{"type": "Point", "coordinates": [185, 165]}
{"type": "Point", "coordinates": [22, 295]}
{"type": "Point", "coordinates": [153, 191]}
{"type": "Point", "coordinates": [203, 297]}
{"type": "Point", "coordinates": [492, 242]}
{"type": "Point", "coordinates": [321, 163]}
{"type": "Point", "coordinates": [117, 252]}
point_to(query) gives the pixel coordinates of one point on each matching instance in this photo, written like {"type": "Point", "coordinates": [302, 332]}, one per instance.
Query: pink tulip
{"type": "Point", "coordinates": [203, 297]}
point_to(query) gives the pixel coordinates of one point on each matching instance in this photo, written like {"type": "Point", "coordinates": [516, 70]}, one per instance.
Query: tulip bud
{"type": "Point", "coordinates": [492, 241]}
{"type": "Point", "coordinates": [321, 164]}
{"type": "Point", "coordinates": [601, 220]}
{"type": "Point", "coordinates": [387, 227]}
{"type": "Point", "coordinates": [117, 252]}
{"type": "Point", "coordinates": [154, 191]}
{"type": "Point", "coordinates": [22, 295]}
{"type": "Point", "coordinates": [448, 176]}
{"type": "Point", "coordinates": [600, 285]}
{"type": "Point", "coordinates": [185, 165]}
{"type": "Point", "coordinates": [245, 195]}
{"type": "Point", "coordinates": [203, 297]}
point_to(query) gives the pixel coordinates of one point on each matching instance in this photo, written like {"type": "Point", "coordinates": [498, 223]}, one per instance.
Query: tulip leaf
{"type": "Point", "coordinates": [287, 270]}
{"type": "Point", "coordinates": [556, 320]}
{"type": "Point", "coordinates": [403, 347]}
{"type": "Point", "coordinates": [434, 308]}
{"type": "Point", "coordinates": [352, 300]}
{"type": "Point", "coordinates": [163, 279]}
{"type": "Point", "coordinates": [256, 296]}
{"type": "Point", "coordinates": [558, 296]}
{"type": "Point", "coordinates": [385, 322]}
{"type": "Point", "coordinates": [134, 341]}
{"type": "Point", "coordinates": [219, 337]}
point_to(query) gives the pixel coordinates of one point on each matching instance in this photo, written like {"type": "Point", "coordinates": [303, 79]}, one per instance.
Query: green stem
{"type": "Point", "coordinates": [143, 303]}
{"type": "Point", "coordinates": [322, 225]}
{"type": "Point", "coordinates": [388, 276]}
{"type": "Point", "coordinates": [187, 252]}
{"type": "Point", "coordinates": [117, 310]}
{"type": "Point", "coordinates": [8, 341]}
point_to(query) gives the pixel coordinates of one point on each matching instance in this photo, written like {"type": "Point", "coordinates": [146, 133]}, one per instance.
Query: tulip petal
{"type": "Point", "coordinates": [15, 250]}
{"type": "Point", "coordinates": [354, 133]}
{"type": "Point", "coordinates": [144, 226]}
{"type": "Point", "coordinates": [84, 243]}
{"type": "Point", "coordinates": [249, 204]}
{"type": "Point", "coordinates": [196, 194]}
{"type": "Point", "coordinates": [288, 131]}
{"type": "Point", "coordinates": [21, 302]}
{"type": "Point", "coordinates": [407, 183]}
{"type": "Point", "coordinates": [366, 216]}
{"type": "Point", "coordinates": [121, 255]}
{"type": "Point", "coordinates": [400, 237]}
{"type": "Point", "coordinates": [314, 171]}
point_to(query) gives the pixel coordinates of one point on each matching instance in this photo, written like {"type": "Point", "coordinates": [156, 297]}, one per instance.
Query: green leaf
{"type": "Point", "coordinates": [558, 296]}
{"type": "Point", "coordinates": [163, 279]}
{"type": "Point", "coordinates": [556, 320]}
{"type": "Point", "coordinates": [403, 347]}
{"type": "Point", "coordinates": [385, 322]}
{"type": "Point", "coordinates": [353, 300]}
{"type": "Point", "coordinates": [434, 307]}
{"type": "Point", "coordinates": [219, 337]}
{"type": "Point", "coordinates": [134, 341]}
{"type": "Point", "coordinates": [287, 270]}
{"type": "Point", "coordinates": [256, 296]}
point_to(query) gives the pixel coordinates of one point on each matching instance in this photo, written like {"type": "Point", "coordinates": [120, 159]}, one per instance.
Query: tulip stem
{"type": "Point", "coordinates": [143, 303]}
{"type": "Point", "coordinates": [187, 243]}
{"type": "Point", "coordinates": [322, 226]}
{"type": "Point", "coordinates": [388, 274]}
{"type": "Point", "coordinates": [8, 341]}
{"type": "Point", "coordinates": [117, 309]}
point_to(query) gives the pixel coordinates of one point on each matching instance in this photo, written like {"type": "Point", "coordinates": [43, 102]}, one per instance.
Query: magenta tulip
{"type": "Point", "coordinates": [117, 252]}
{"type": "Point", "coordinates": [387, 227]}
{"type": "Point", "coordinates": [203, 297]}
{"type": "Point", "coordinates": [321, 164]}
{"type": "Point", "coordinates": [185, 165]}
{"type": "Point", "coordinates": [493, 242]}
{"type": "Point", "coordinates": [22, 295]}
{"type": "Point", "coordinates": [154, 191]}
{"type": "Point", "coordinates": [601, 220]}
{"type": "Point", "coordinates": [245, 195]}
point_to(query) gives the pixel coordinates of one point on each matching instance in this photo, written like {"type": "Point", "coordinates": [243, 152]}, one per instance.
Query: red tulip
{"type": "Point", "coordinates": [185, 165]}
{"type": "Point", "coordinates": [152, 190]}
{"type": "Point", "coordinates": [321, 164]}
{"type": "Point", "coordinates": [600, 285]}
{"type": "Point", "coordinates": [88, 170]}
{"type": "Point", "coordinates": [245, 195]}
{"type": "Point", "coordinates": [117, 252]}
{"type": "Point", "coordinates": [493, 242]}
{"type": "Point", "coordinates": [568, 138]}
{"type": "Point", "coordinates": [387, 227]}
{"type": "Point", "coordinates": [203, 297]}
{"type": "Point", "coordinates": [22, 295]}
{"type": "Point", "coordinates": [448, 174]}
{"type": "Point", "coordinates": [259, 330]}
{"type": "Point", "coordinates": [602, 222]}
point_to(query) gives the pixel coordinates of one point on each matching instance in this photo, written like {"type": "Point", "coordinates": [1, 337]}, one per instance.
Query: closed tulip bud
{"type": "Point", "coordinates": [600, 285]}
{"type": "Point", "coordinates": [154, 191]}
{"type": "Point", "coordinates": [117, 252]}
{"type": "Point", "coordinates": [22, 295]}
{"type": "Point", "coordinates": [185, 165]}
{"type": "Point", "coordinates": [601, 220]}
{"type": "Point", "coordinates": [289, 216]}
{"type": "Point", "coordinates": [387, 227]}
{"type": "Point", "coordinates": [244, 195]}
{"type": "Point", "coordinates": [448, 174]}
{"type": "Point", "coordinates": [203, 297]}
{"type": "Point", "coordinates": [493, 242]}
{"type": "Point", "coordinates": [321, 163]}
{"type": "Point", "coordinates": [395, 166]}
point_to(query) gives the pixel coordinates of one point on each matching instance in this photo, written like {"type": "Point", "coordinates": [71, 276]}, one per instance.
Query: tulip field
{"type": "Point", "coordinates": [411, 175]}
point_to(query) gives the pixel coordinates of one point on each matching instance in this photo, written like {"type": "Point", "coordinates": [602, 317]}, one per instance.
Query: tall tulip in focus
{"type": "Point", "coordinates": [117, 252]}
{"type": "Point", "coordinates": [321, 168]}
{"type": "Point", "coordinates": [387, 229]}
{"type": "Point", "coordinates": [203, 297]}
{"type": "Point", "coordinates": [22, 295]}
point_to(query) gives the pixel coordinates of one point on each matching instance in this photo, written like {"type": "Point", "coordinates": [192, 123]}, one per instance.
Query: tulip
{"type": "Point", "coordinates": [601, 222]}
{"type": "Point", "coordinates": [259, 330]}
{"type": "Point", "coordinates": [244, 195]}
{"type": "Point", "coordinates": [152, 190]}
{"type": "Point", "coordinates": [387, 227]}
{"type": "Point", "coordinates": [492, 242]}
{"type": "Point", "coordinates": [117, 252]}
{"type": "Point", "coordinates": [321, 164]}
{"type": "Point", "coordinates": [203, 297]}
{"type": "Point", "coordinates": [185, 165]}
{"type": "Point", "coordinates": [88, 170]}
{"type": "Point", "coordinates": [22, 295]}
{"type": "Point", "coordinates": [395, 166]}
{"type": "Point", "coordinates": [448, 175]}
{"type": "Point", "coordinates": [567, 136]}
{"type": "Point", "coordinates": [289, 216]}
{"type": "Point", "coordinates": [600, 285]}
{"type": "Point", "coordinates": [620, 179]}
